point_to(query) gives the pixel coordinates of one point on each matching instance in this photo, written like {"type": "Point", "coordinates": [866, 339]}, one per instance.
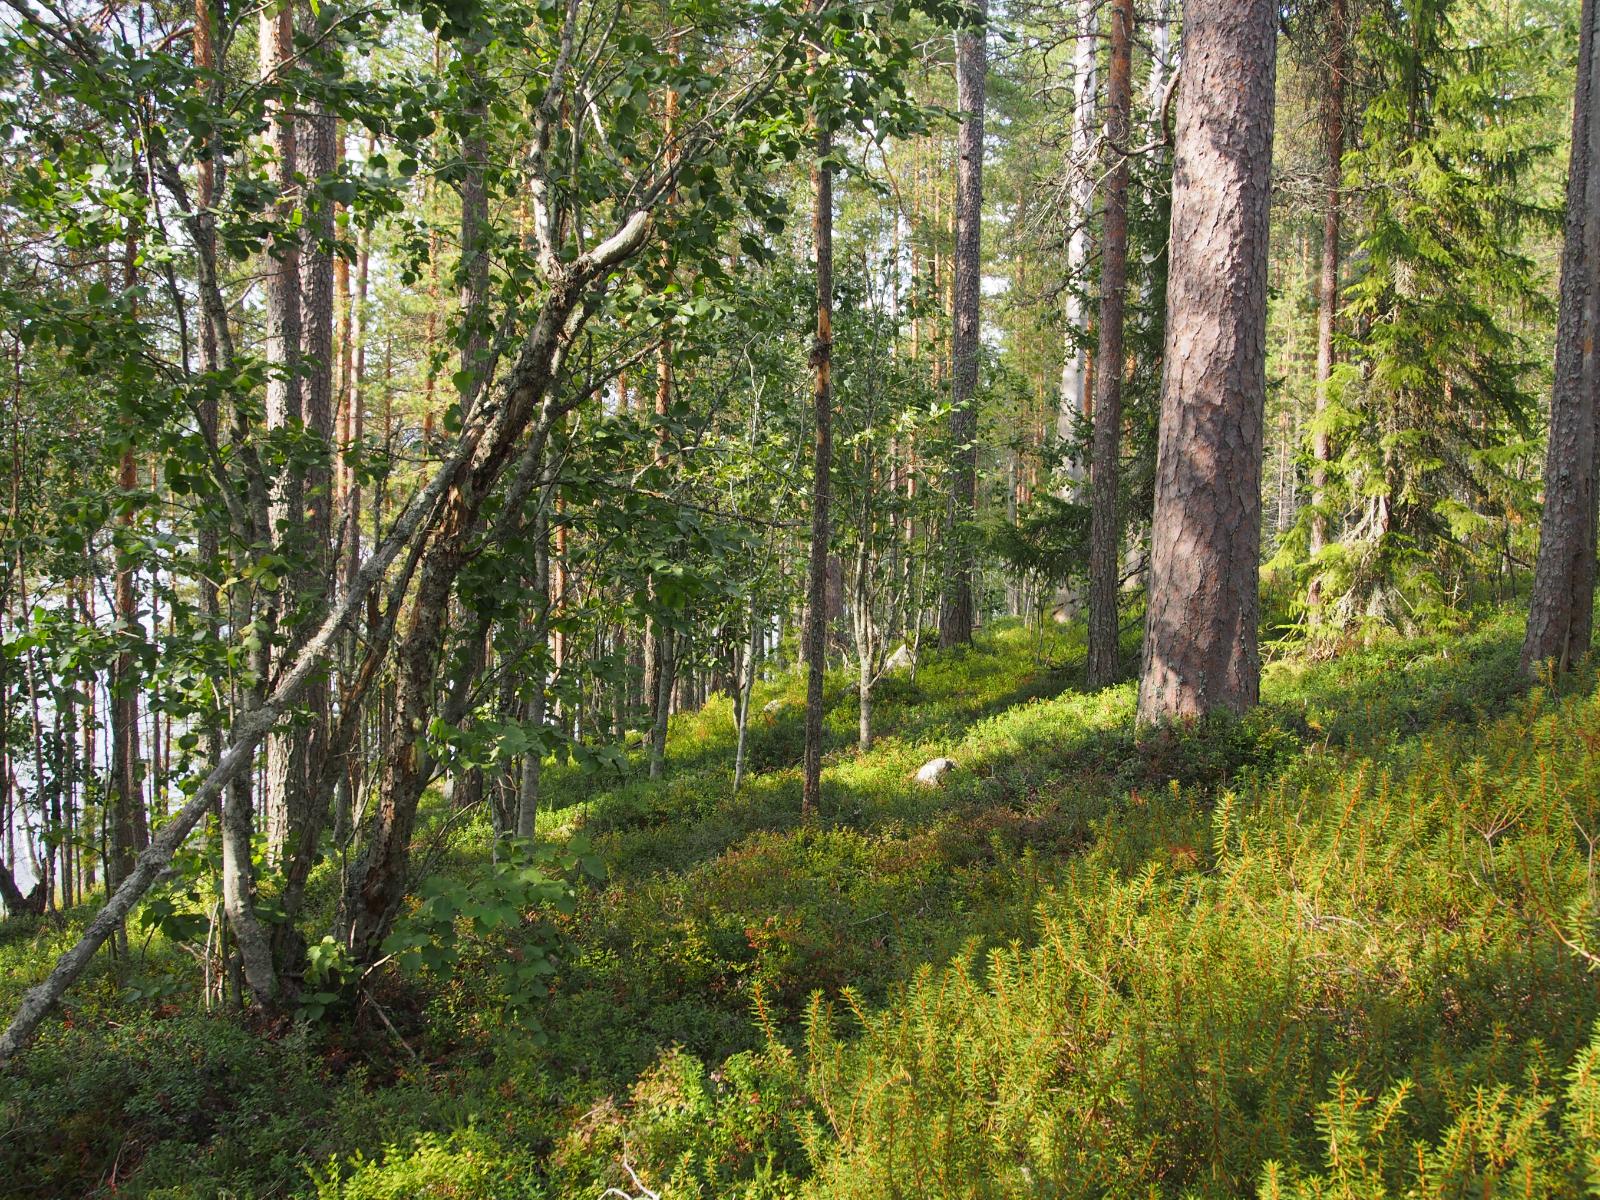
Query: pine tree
{"type": "Point", "coordinates": [1200, 648]}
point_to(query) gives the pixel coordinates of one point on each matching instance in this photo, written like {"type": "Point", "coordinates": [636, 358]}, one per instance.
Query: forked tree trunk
{"type": "Point", "coordinates": [1200, 649]}
{"type": "Point", "coordinates": [956, 611]}
{"type": "Point", "coordinates": [1560, 615]}
{"type": "Point", "coordinates": [377, 885]}
{"type": "Point", "coordinates": [1105, 527]}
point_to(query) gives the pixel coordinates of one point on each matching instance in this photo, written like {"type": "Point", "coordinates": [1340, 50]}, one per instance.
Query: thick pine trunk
{"type": "Point", "coordinates": [956, 611]}
{"type": "Point", "coordinates": [1105, 527]}
{"type": "Point", "coordinates": [1200, 649]}
{"type": "Point", "coordinates": [1560, 614]}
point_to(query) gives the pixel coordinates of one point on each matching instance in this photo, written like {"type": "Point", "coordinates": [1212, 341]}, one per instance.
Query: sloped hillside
{"type": "Point", "coordinates": [1338, 948]}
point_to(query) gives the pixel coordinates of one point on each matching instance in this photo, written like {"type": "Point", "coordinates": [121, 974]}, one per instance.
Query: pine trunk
{"type": "Point", "coordinates": [1560, 614]}
{"type": "Point", "coordinates": [1200, 649]}
{"type": "Point", "coordinates": [285, 776]}
{"type": "Point", "coordinates": [1105, 528]}
{"type": "Point", "coordinates": [1074, 370]}
{"type": "Point", "coordinates": [956, 612]}
{"type": "Point", "coordinates": [1328, 285]}
{"type": "Point", "coordinates": [301, 811]}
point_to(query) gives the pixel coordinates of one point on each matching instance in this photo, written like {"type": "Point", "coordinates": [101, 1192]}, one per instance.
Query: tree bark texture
{"type": "Point", "coordinates": [1074, 369]}
{"type": "Point", "coordinates": [1105, 528]}
{"type": "Point", "coordinates": [301, 810]}
{"type": "Point", "coordinates": [814, 635]}
{"type": "Point", "coordinates": [1200, 650]}
{"type": "Point", "coordinates": [127, 798]}
{"type": "Point", "coordinates": [286, 762]}
{"type": "Point", "coordinates": [1560, 614]}
{"type": "Point", "coordinates": [956, 611]}
{"type": "Point", "coordinates": [533, 759]}
{"type": "Point", "coordinates": [1328, 283]}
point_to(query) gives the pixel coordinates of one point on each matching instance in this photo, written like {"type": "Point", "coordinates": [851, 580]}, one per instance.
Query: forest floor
{"type": "Point", "coordinates": [1342, 947]}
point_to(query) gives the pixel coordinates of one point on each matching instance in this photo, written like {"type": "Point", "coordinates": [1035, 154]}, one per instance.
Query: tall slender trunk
{"type": "Point", "coordinates": [91, 725]}
{"type": "Point", "coordinates": [474, 267]}
{"type": "Point", "coordinates": [472, 276]}
{"type": "Point", "coordinates": [658, 658]}
{"type": "Point", "coordinates": [300, 813]}
{"type": "Point", "coordinates": [1560, 615]}
{"type": "Point", "coordinates": [1074, 368]}
{"type": "Point", "coordinates": [814, 636]}
{"type": "Point", "coordinates": [1105, 525]}
{"type": "Point", "coordinates": [656, 634]}
{"type": "Point", "coordinates": [533, 760]}
{"type": "Point", "coordinates": [661, 699]}
{"type": "Point", "coordinates": [865, 646]}
{"type": "Point", "coordinates": [357, 411]}
{"type": "Point", "coordinates": [956, 611]}
{"type": "Point", "coordinates": [1200, 635]}
{"type": "Point", "coordinates": [1328, 284]}
{"type": "Point", "coordinates": [127, 793]}
{"type": "Point", "coordinates": [285, 775]}
{"type": "Point", "coordinates": [655, 650]}
{"type": "Point", "coordinates": [352, 432]}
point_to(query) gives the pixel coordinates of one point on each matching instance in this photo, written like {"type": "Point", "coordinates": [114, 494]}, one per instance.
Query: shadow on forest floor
{"type": "Point", "coordinates": [719, 908]}
{"type": "Point", "coordinates": [712, 895]}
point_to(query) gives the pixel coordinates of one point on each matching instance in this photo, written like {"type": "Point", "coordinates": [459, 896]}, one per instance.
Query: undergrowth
{"type": "Point", "coordinates": [1334, 949]}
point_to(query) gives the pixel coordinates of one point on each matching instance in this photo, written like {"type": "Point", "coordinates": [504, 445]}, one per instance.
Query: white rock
{"type": "Point", "coordinates": [900, 660]}
{"type": "Point", "coordinates": [934, 770]}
